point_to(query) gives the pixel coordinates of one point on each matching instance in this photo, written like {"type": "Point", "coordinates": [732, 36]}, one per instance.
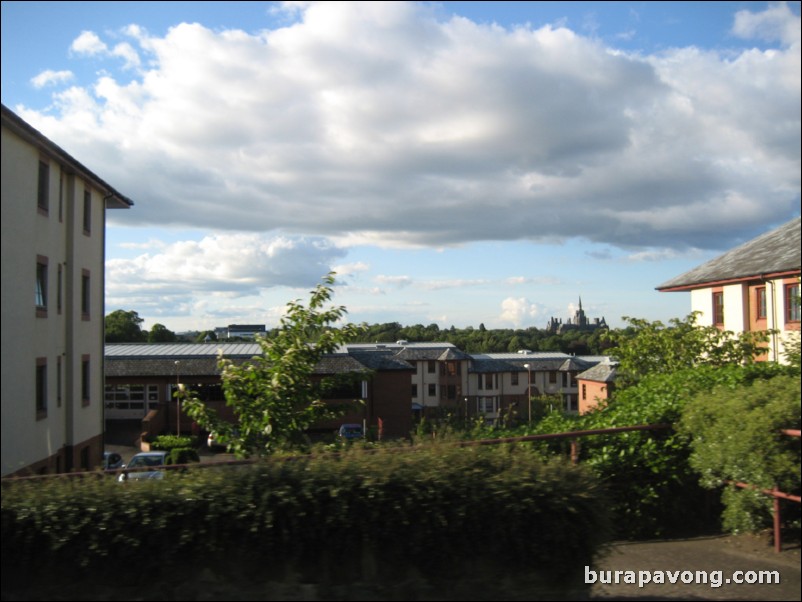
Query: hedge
{"type": "Point", "coordinates": [469, 518]}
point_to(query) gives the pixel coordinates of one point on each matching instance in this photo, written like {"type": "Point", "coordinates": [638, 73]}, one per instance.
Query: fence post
{"type": "Point", "coordinates": [574, 451]}
{"type": "Point", "coordinates": [777, 523]}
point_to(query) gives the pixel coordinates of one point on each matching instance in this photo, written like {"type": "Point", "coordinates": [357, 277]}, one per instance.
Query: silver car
{"type": "Point", "coordinates": [141, 461]}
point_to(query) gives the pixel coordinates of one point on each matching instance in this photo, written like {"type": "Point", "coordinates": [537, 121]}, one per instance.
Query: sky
{"type": "Point", "coordinates": [457, 163]}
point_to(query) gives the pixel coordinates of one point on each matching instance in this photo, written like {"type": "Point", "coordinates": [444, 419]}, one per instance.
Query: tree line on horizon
{"type": "Point", "coordinates": [125, 326]}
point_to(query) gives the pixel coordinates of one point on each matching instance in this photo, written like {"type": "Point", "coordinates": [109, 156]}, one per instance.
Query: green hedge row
{"type": "Point", "coordinates": [443, 513]}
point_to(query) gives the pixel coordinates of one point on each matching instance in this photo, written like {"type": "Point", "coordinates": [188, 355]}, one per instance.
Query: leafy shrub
{"type": "Point", "coordinates": [183, 455]}
{"type": "Point", "coordinates": [475, 515]}
{"type": "Point", "coordinates": [655, 491]}
{"type": "Point", "coordinates": [734, 436]}
{"type": "Point", "coordinates": [169, 442]}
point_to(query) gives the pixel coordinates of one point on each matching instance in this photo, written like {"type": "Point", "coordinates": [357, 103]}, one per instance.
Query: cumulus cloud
{"type": "Point", "coordinates": [519, 311]}
{"type": "Point", "coordinates": [88, 43]}
{"type": "Point", "coordinates": [49, 77]}
{"type": "Point", "coordinates": [234, 265]}
{"type": "Point", "coordinates": [776, 23]}
{"type": "Point", "coordinates": [376, 123]}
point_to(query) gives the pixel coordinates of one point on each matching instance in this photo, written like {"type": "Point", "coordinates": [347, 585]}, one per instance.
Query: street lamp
{"type": "Point", "coordinates": [529, 389]}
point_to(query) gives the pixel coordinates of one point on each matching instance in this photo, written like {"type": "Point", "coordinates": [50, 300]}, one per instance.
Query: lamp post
{"type": "Point", "coordinates": [529, 389]}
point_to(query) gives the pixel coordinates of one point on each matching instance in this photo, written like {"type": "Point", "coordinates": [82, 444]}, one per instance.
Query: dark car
{"type": "Point", "coordinates": [112, 460]}
{"type": "Point", "coordinates": [350, 431]}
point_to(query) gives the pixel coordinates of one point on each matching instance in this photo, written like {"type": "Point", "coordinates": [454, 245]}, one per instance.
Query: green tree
{"type": "Point", "coordinates": [159, 333]}
{"type": "Point", "coordinates": [124, 327]}
{"type": "Point", "coordinates": [274, 397]}
{"type": "Point", "coordinates": [201, 338]}
{"type": "Point", "coordinates": [735, 436]}
{"type": "Point", "coordinates": [647, 348]}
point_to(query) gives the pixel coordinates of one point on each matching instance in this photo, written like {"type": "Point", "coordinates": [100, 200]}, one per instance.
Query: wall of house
{"type": "Point", "coordinates": [739, 311]}
{"type": "Point", "coordinates": [391, 403]}
{"type": "Point", "coordinates": [67, 433]}
{"type": "Point", "coordinates": [591, 393]}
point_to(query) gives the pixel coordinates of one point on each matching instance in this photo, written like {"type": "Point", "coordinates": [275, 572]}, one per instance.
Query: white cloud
{"type": "Point", "coordinates": [399, 281]}
{"type": "Point", "coordinates": [373, 123]}
{"type": "Point", "coordinates": [519, 311]}
{"type": "Point", "coordinates": [347, 269]}
{"type": "Point", "coordinates": [238, 265]}
{"type": "Point", "coordinates": [51, 78]}
{"type": "Point", "coordinates": [128, 54]}
{"type": "Point", "coordinates": [88, 43]}
{"type": "Point", "coordinates": [776, 23]}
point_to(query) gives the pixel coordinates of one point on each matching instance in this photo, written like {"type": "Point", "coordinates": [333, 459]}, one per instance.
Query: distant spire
{"type": "Point", "coordinates": [580, 302]}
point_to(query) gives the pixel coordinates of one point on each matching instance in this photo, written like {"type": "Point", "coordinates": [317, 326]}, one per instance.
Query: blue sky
{"type": "Point", "coordinates": [456, 163]}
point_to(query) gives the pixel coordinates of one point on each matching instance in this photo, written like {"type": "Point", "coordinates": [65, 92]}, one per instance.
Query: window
{"type": "Point", "coordinates": [85, 382]}
{"type": "Point", "coordinates": [552, 378]}
{"type": "Point", "coordinates": [432, 367]}
{"type": "Point", "coordinates": [58, 381]}
{"type": "Point", "coordinates": [43, 191]}
{"type": "Point", "coordinates": [59, 286]}
{"type": "Point", "coordinates": [61, 196]}
{"type": "Point", "coordinates": [760, 303]}
{"type": "Point", "coordinates": [41, 388]}
{"type": "Point", "coordinates": [514, 378]}
{"type": "Point", "coordinates": [432, 390]}
{"type": "Point", "coordinates": [414, 391]}
{"type": "Point", "coordinates": [584, 392]}
{"type": "Point", "coordinates": [41, 286]}
{"type": "Point", "coordinates": [486, 405]}
{"type": "Point", "coordinates": [87, 211]}
{"type": "Point", "coordinates": [718, 308]}
{"type": "Point", "coordinates": [451, 369]}
{"type": "Point", "coordinates": [86, 294]}
{"type": "Point", "coordinates": [792, 303]}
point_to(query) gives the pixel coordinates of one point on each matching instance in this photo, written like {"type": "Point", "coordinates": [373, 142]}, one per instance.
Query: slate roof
{"type": "Point", "coordinates": [601, 373]}
{"type": "Point", "coordinates": [538, 362]}
{"type": "Point", "coordinates": [774, 253]}
{"type": "Point", "coordinates": [200, 359]}
{"type": "Point", "coordinates": [181, 350]}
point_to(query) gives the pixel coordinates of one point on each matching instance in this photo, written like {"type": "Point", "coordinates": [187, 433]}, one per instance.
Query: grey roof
{"type": "Point", "coordinates": [182, 350]}
{"type": "Point", "coordinates": [200, 359]}
{"type": "Point", "coordinates": [453, 355]}
{"type": "Point", "coordinates": [127, 366]}
{"type": "Point", "coordinates": [776, 252]}
{"type": "Point", "coordinates": [600, 373]}
{"type": "Point", "coordinates": [516, 362]}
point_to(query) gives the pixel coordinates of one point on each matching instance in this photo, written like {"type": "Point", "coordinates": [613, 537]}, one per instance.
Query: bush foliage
{"type": "Point", "coordinates": [438, 511]}
{"type": "Point", "coordinates": [735, 436]}
{"type": "Point", "coordinates": [655, 490]}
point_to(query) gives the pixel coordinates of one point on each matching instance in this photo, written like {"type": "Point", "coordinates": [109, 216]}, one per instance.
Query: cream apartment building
{"type": "Point", "coordinates": [53, 239]}
{"type": "Point", "coordinates": [752, 287]}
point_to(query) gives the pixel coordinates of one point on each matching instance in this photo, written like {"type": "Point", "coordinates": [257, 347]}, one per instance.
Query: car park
{"type": "Point", "coordinates": [141, 462]}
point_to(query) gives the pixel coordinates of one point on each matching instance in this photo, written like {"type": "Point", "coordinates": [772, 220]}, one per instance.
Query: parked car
{"type": "Point", "coordinates": [112, 460]}
{"type": "Point", "coordinates": [212, 441]}
{"type": "Point", "coordinates": [350, 431]}
{"type": "Point", "coordinates": [144, 460]}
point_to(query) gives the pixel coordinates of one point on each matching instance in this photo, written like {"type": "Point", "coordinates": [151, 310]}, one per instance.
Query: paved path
{"type": "Point", "coordinates": [726, 554]}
